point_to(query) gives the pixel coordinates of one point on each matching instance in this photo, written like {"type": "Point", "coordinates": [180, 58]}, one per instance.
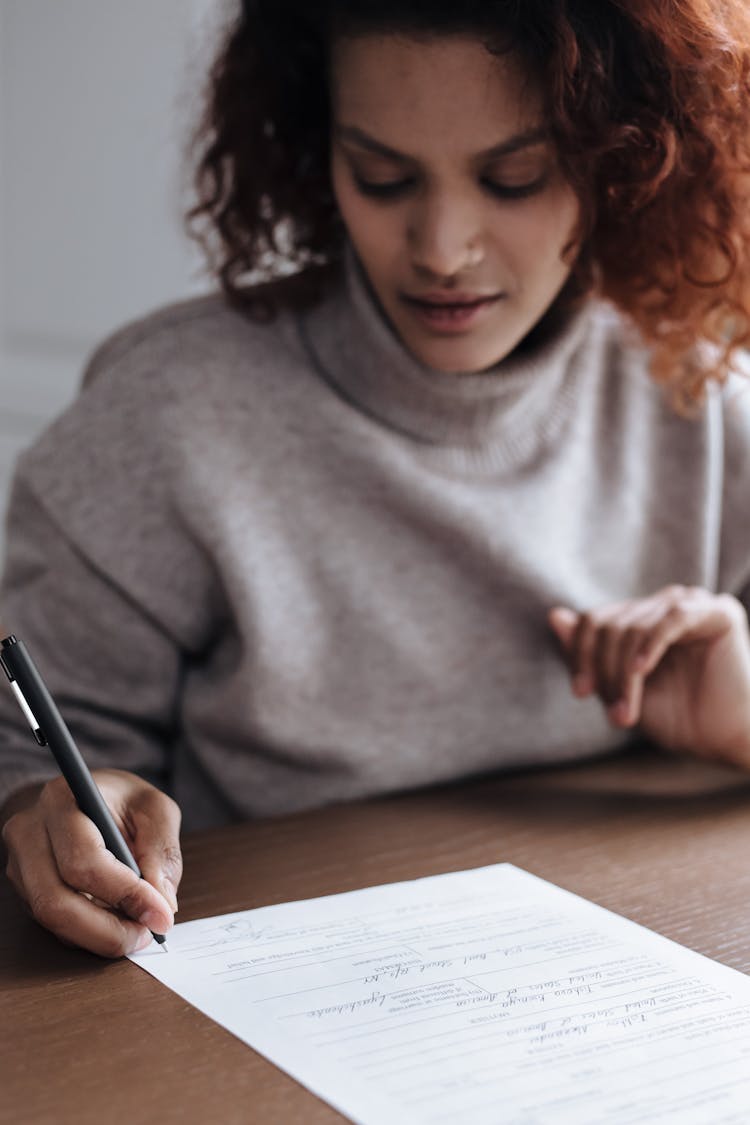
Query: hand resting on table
{"type": "Point", "coordinates": [55, 852]}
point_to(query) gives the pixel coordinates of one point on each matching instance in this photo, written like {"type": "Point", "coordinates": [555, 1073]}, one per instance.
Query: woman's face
{"type": "Point", "coordinates": [449, 192]}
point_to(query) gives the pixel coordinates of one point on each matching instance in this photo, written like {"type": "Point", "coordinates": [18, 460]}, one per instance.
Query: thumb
{"type": "Point", "coordinates": [156, 842]}
{"type": "Point", "coordinates": [563, 622]}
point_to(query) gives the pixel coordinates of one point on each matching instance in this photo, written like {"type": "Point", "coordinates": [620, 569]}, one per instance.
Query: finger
{"type": "Point", "coordinates": [628, 708]}
{"type": "Point", "coordinates": [624, 682]}
{"type": "Point", "coordinates": [626, 711]}
{"type": "Point", "coordinates": [563, 621]}
{"type": "Point", "coordinates": [686, 620]}
{"type": "Point", "coordinates": [85, 864]}
{"type": "Point", "coordinates": [582, 655]}
{"type": "Point", "coordinates": [155, 825]}
{"type": "Point", "coordinates": [608, 681]}
{"type": "Point", "coordinates": [69, 915]}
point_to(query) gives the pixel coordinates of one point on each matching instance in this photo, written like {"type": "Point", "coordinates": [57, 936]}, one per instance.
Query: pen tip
{"type": "Point", "coordinates": [164, 947]}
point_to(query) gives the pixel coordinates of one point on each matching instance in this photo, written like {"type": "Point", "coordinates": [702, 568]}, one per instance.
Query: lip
{"type": "Point", "coordinates": [444, 298]}
{"type": "Point", "coordinates": [450, 317]}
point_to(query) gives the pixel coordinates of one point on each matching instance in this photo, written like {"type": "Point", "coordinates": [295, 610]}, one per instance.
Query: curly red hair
{"type": "Point", "coordinates": [648, 102]}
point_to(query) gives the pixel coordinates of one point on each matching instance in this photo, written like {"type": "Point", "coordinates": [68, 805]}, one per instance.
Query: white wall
{"type": "Point", "coordinates": [96, 100]}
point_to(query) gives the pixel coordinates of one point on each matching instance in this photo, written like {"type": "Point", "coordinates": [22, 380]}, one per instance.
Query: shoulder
{"type": "Point", "coordinates": [169, 330]}
{"type": "Point", "coordinates": [624, 371]}
{"type": "Point", "coordinates": [208, 338]}
{"type": "Point", "coordinates": [165, 387]}
{"type": "Point", "coordinates": [621, 348]}
{"type": "Point", "coordinates": [185, 367]}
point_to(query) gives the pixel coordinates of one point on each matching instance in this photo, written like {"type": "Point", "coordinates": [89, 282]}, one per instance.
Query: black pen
{"type": "Point", "coordinates": [49, 729]}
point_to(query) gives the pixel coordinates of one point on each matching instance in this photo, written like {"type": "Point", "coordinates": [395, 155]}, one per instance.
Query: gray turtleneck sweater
{"type": "Point", "coordinates": [270, 566]}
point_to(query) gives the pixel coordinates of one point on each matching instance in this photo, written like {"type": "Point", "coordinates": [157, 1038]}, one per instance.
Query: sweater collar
{"type": "Point", "coordinates": [355, 349]}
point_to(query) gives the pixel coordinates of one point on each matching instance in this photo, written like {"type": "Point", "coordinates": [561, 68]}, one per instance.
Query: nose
{"type": "Point", "coordinates": [444, 236]}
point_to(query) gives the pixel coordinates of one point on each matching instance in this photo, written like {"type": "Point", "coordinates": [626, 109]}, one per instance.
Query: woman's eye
{"type": "Point", "coordinates": [516, 191]}
{"type": "Point", "coordinates": [382, 190]}
{"type": "Point", "coordinates": [393, 188]}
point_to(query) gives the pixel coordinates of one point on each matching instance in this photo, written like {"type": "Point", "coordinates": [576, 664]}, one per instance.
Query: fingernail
{"type": "Point", "coordinates": [581, 684]}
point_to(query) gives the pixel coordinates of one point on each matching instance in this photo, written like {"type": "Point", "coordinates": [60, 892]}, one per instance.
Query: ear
{"type": "Point", "coordinates": [563, 622]}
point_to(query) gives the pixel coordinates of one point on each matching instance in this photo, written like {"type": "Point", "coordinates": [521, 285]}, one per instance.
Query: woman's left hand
{"type": "Point", "coordinates": [675, 664]}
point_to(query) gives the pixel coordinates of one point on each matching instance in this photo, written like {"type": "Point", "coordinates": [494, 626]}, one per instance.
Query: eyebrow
{"type": "Point", "coordinates": [505, 148]}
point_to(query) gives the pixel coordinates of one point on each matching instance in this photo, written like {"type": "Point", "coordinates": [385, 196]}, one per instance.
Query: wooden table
{"type": "Point", "coordinates": [663, 840]}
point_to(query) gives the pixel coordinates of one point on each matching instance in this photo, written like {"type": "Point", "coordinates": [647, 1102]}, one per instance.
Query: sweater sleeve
{"type": "Point", "coordinates": [112, 670]}
{"type": "Point", "coordinates": [105, 576]}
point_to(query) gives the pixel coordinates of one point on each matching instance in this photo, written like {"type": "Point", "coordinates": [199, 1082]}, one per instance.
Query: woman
{"type": "Point", "coordinates": [426, 508]}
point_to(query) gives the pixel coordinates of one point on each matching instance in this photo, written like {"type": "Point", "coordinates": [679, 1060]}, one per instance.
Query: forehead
{"type": "Point", "coordinates": [413, 93]}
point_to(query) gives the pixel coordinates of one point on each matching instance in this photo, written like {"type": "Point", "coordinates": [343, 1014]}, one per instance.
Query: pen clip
{"type": "Point", "coordinates": [36, 730]}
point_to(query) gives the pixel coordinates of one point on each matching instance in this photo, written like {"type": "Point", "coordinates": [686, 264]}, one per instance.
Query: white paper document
{"type": "Point", "coordinates": [485, 996]}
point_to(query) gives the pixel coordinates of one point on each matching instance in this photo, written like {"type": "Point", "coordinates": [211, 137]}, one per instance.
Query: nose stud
{"type": "Point", "coordinates": [474, 255]}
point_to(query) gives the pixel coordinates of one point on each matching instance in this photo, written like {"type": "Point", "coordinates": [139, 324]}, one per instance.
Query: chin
{"type": "Point", "coordinates": [458, 355]}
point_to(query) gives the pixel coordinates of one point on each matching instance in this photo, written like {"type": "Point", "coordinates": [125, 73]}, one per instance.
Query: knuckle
{"type": "Point", "coordinates": [131, 902]}
{"type": "Point", "coordinates": [675, 615]}
{"type": "Point", "coordinates": [12, 831]}
{"type": "Point", "coordinates": [675, 592]}
{"type": "Point", "coordinates": [55, 795]}
{"type": "Point", "coordinates": [172, 860]}
{"type": "Point", "coordinates": [49, 909]}
{"type": "Point", "coordinates": [77, 868]}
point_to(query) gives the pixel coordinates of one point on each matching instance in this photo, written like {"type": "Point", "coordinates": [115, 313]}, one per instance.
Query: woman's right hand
{"type": "Point", "coordinates": [74, 887]}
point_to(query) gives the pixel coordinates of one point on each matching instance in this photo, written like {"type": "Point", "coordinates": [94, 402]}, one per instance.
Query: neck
{"type": "Point", "coordinates": [355, 348]}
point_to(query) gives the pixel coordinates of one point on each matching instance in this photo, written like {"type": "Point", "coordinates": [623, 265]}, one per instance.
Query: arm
{"type": "Point", "coordinates": [676, 663]}
{"type": "Point", "coordinates": [114, 672]}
